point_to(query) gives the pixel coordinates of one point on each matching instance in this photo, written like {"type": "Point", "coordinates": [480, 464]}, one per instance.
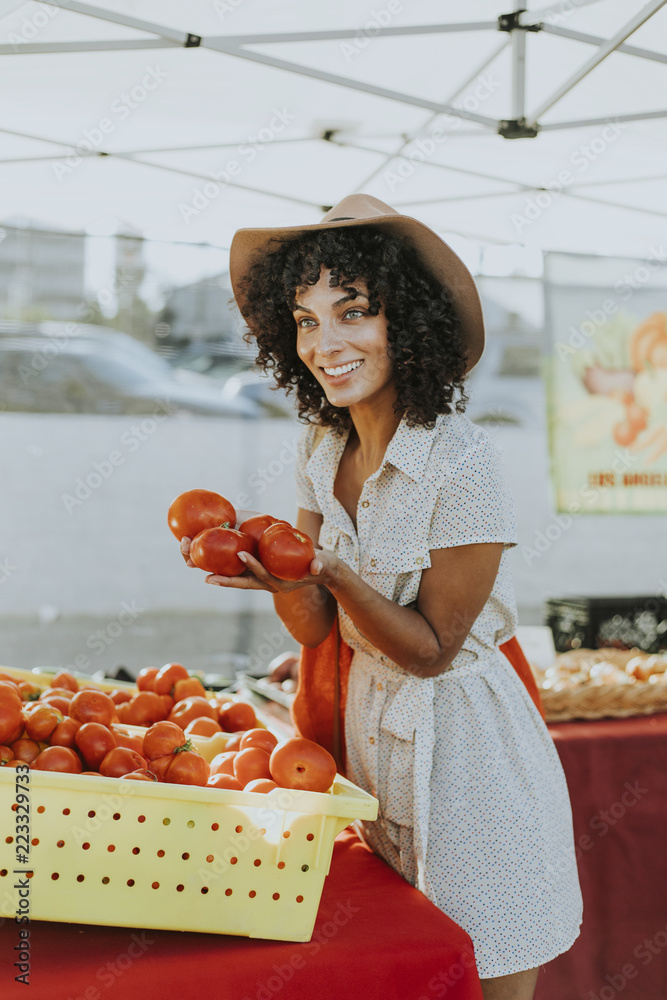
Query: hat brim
{"type": "Point", "coordinates": [436, 255]}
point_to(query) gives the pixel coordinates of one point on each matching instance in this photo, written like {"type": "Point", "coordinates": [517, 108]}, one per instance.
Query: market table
{"type": "Point", "coordinates": [616, 771]}
{"type": "Point", "coordinates": [375, 937]}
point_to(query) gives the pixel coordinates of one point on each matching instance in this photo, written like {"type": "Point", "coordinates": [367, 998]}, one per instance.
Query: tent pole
{"type": "Point", "coordinates": [518, 40]}
{"type": "Point", "coordinates": [603, 51]}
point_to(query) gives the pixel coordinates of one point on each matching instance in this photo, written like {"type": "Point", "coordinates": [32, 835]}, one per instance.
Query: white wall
{"type": "Point", "coordinates": [114, 546]}
{"type": "Point", "coordinates": [86, 551]}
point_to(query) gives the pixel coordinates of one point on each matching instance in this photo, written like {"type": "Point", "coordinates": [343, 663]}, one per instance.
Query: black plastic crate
{"type": "Point", "coordinates": [597, 622]}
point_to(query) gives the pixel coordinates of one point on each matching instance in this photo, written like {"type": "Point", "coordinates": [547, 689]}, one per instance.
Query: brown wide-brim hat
{"type": "Point", "coordinates": [363, 210]}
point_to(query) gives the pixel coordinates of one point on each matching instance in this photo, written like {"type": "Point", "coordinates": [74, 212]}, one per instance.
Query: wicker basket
{"type": "Point", "coordinates": [600, 683]}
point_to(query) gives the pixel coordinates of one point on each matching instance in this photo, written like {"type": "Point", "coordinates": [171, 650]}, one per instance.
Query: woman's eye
{"type": "Point", "coordinates": [358, 312]}
{"type": "Point", "coordinates": [300, 322]}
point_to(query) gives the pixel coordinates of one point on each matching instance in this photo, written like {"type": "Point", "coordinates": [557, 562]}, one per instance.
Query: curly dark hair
{"type": "Point", "coordinates": [423, 328]}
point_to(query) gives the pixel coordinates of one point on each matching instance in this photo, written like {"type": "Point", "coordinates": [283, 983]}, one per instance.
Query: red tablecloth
{"type": "Point", "coordinates": [616, 771]}
{"type": "Point", "coordinates": [375, 937]}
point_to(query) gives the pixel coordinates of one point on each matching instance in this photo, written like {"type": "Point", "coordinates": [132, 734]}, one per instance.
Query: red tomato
{"type": "Point", "coordinates": [120, 761]}
{"type": "Point", "coordinates": [191, 708]}
{"type": "Point", "coordinates": [145, 708]}
{"type": "Point", "coordinates": [224, 780]}
{"type": "Point", "coordinates": [61, 704]}
{"type": "Point", "coordinates": [261, 738]}
{"type": "Point", "coordinates": [94, 741]}
{"type": "Point", "coordinates": [202, 726]}
{"type": "Point", "coordinates": [188, 687]}
{"type": "Point", "coordinates": [11, 721]}
{"type": "Point", "coordinates": [5, 676]}
{"type": "Point", "coordinates": [285, 552]}
{"type": "Point", "coordinates": [167, 677]}
{"type": "Point", "coordinates": [131, 741]}
{"type": "Point", "coordinates": [142, 774]}
{"type": "Point", "coordinates": [260, 785]}
{"type": "Point", "coordinates": [146, 678]}
{"type": "Point", "coordinates": [184, 768]}
{"type": "Point", "coordinates": [64, 735]}
{"type": "Point", "coordinates": [234, 743]}
{"type": "Point", "coordinates": [5, 755]}
{"type": "Point", "coordinates": [28, 690]}
{"type": "Point", "coordinates": [251, 763]}
{"type": "Point", "coordinates": [26, 750]}
{"type": "Point", "coordinates": [64, 679]}
{"type": "Point", "coordinates": [257, 525]}
{"type": "Point", "coordinates": [237, 715]}
{"type": "Point", "coordinates": [216, 551]}
{"type": "Point", "coordinates": [300, 763]}
{"type": "Point", "coordinates": [89, 705]}
{"type": "Point", "coordinates": [58, 759]}
{"type": "Point", "coordinates": [163, 738]}
{"type": "Point", "coordinates": [198, 510]}
{"type": "Point", "coordinates": [223, 763]}
{"type": "Point", "coordinates": [41, 720]}
{"type": "Point", "coordinates": [52, 692]}
{"type": "Point", "coordinates": [119, 696]}
{"type": "Point", "coordinates": [10, 692]}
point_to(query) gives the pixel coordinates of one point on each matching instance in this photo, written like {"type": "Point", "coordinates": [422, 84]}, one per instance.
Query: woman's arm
{"type": "Point", "coordinates": [452, 593]}
{"type": "Point", "coordinates": [307, 613]}
{"type": "Point", "coordinates": [424, 641]}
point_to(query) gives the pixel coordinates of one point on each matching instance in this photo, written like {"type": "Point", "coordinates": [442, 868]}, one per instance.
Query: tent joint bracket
{"type": "Point", "coordinates": [516, 128]}
{"type": "Point", "coordinates": [192, 41]}
{"type": "Point", "coordinates": [512, 22]}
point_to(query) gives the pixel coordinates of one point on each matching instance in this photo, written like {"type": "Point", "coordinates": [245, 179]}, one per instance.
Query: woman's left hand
{"type": "Point", "coordinates": [323, 569]}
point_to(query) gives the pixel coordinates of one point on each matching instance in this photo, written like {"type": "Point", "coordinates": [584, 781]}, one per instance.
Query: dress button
{"type": "Point", "coordinates": [419, 560]}
{"type": "Point", "coordinates": [365, 503]}
{"type": "Point", "coordinates": [373, 562]}
{"type": "Point", "coordinates": [371, 739]}
{"type": "Point", "coordinates": [379, 687]}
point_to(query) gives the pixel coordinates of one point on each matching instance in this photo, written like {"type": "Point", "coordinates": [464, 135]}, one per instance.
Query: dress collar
{"type": "Point", "coordinates": [408, 450]}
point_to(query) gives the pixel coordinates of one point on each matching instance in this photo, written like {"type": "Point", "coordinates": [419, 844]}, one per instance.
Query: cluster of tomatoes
{"type": "Point", "coordinates": [79, 730]}
{"type": "Point", "coordinates": [210, 521]}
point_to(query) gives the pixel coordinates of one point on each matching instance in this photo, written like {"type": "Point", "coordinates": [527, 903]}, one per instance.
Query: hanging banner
{"type": "Point", "coordinates": [606, 374]}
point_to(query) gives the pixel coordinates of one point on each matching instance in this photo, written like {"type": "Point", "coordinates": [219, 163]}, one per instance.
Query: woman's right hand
{"type": "Point", "coordinates": [185, 550]}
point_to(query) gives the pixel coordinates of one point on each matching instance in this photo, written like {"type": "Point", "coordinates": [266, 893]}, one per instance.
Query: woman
{"type": "Point", "coordinates": [375, 322]}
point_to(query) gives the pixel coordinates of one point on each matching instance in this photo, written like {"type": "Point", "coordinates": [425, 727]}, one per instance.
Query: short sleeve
{"type": "Point", "coordinates": [474, 503]}
{"type": "Point", "coordinates": [305, 494]}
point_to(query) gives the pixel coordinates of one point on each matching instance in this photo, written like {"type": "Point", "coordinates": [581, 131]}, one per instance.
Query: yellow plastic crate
{"type": "Point", "coordinates": [175, 857]}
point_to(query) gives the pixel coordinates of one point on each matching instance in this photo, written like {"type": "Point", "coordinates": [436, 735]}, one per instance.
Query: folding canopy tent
{"type": "Point", "coordinates": [543, 126]}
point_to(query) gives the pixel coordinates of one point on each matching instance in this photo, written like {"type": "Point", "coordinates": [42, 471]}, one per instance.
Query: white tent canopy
{"type": "Point", "coordinates": [187, 121]}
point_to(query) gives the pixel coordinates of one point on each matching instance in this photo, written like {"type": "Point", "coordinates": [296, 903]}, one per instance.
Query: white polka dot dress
{"type": "Point", "coordinates": [474, 808]}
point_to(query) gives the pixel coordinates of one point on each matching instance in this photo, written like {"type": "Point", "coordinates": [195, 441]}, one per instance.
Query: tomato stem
{"type": "Point", "coordinates": [186, 746]}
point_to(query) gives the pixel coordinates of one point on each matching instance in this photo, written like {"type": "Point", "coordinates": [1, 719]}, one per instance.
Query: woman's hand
{"type": "Point", "coordinates": [323, 571]}
{"type": "Point", "coordinates": [185, 550]}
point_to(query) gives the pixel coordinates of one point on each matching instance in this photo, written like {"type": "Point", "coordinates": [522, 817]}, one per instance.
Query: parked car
{"type": "Point", "coordinates": [78, 368]}
{"type": "Point", "coordinates": [253, 386]}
